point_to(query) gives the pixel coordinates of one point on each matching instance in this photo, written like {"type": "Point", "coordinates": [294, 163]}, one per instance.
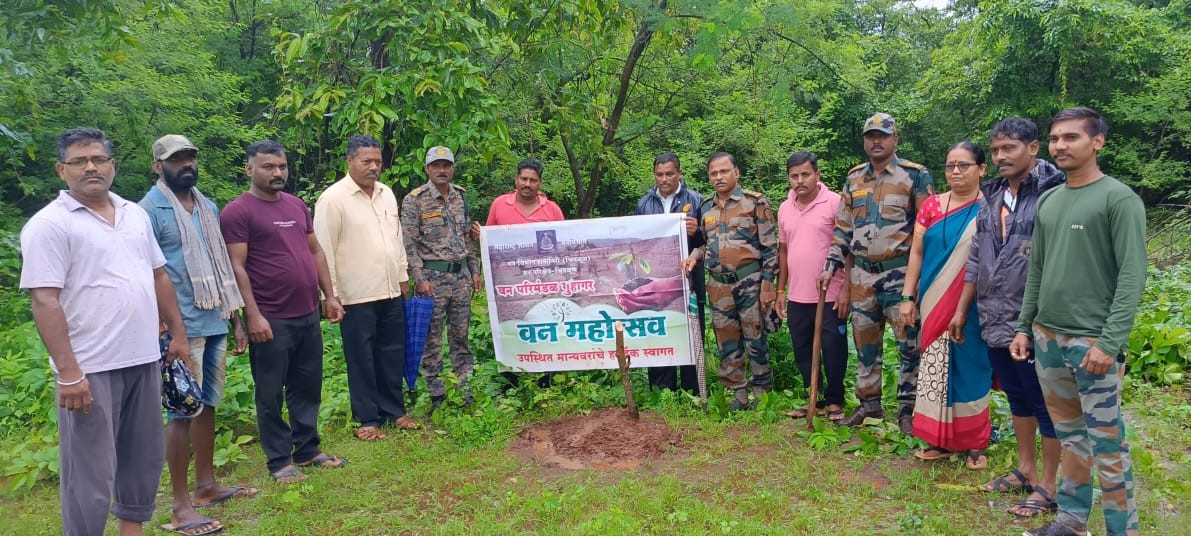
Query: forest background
{"type": "Point", "coordinates": [594, 89]}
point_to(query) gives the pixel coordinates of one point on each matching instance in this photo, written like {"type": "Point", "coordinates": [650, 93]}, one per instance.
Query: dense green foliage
{"type": "Point", "coordinates": [594, 88]}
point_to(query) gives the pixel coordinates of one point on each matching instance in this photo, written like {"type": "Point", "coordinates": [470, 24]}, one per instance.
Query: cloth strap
{"type": "Point", "coordinates": [206, 258]}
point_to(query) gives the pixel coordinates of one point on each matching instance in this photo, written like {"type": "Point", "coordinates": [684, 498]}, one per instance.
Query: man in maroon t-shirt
{"type": "Point", "coordinates": [280, 268]}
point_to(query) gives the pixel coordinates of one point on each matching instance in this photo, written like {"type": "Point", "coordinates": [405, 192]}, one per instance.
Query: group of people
{"type": "Point", "coordinates": [1032, 279]}
{"type": "Point", "coordinates": [1025, 278]}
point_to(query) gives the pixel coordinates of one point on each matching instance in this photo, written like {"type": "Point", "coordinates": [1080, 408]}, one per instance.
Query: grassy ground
{"type": "Point", "coordinates": [732, 475]}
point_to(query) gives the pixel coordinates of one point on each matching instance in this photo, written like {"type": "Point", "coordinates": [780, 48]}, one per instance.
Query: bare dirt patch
{"type": "Point", "coordinates": [606, 439]}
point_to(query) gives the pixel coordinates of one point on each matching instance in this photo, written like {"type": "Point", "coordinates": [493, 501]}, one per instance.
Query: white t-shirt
{"type": "Point", "coordinates": [106, 275]}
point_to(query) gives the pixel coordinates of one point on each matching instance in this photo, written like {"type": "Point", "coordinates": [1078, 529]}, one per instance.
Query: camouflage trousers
{"type": "Point", "coordinates": [452, 303]}
{"type": "Point", "coordinates": [1086, 410]}
{"type": "Point", "coordinates": [875, 299]}
{"type": "Point", "coordinates": [736, 319]}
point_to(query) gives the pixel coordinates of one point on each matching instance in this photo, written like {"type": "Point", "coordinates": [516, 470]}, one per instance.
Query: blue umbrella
{"type": "Point", "coordinates": [418, 311]}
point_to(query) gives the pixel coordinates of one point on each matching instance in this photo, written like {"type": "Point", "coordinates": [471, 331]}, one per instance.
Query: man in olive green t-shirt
{"type": "Point", "coordinates": [1087, 272]}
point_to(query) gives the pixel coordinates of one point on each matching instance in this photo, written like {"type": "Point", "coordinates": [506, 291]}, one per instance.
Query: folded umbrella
{"type": "Point", "coordinates": [418, 311]}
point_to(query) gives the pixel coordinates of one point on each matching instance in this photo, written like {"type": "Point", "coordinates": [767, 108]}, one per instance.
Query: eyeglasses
{"type": "Point", "coordinates": [961, 166]}
{"type": "Point", "coordinates": [81, 162]}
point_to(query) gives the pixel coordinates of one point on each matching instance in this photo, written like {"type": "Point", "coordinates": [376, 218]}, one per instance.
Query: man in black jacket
{"type": "Point", "coordinates": [996, 279]}
{"type": "Point", "coordinates": [671, 195]}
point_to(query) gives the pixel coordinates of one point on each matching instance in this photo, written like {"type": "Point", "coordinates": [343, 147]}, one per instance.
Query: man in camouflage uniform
{"type": "Point", "coordinates": [740, 254]}
{"type": "Point", "coordinates": [443, 265]}
{"type": "Point", "coordinates": [875, 225]}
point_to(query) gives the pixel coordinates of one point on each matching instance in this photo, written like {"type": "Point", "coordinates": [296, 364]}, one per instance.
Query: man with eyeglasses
{"type": "Point", "coordinates": [356, 220]}
{"type": "Point", "coordinates": [98, 287]}
{"type": "Point", "coordinates": [875, 225]}
{"type": "Point", "coordinates": [186, 226]}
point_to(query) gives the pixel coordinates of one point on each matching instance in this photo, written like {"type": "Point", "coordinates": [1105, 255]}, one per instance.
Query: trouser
{"type": "Point", "coordinates": [290, 365]}
{"type": "Point", "coordinates": [736, 319]}
{"type": "Point", "coordinates": [1086, 410]}
{"type": "Point", "coordinates": [668, 377]}
{"type": "Point", "coordinates": [1019, 381]}
{"type": "Point", "coordinates": [452, 304]}
{"type": "Point", "coordinates": [374, 348]}
{"type": "Point", "coordinates": [875, 300]}
{"type": "Point", "coordinates": [834, 348]}
{"type": "Point", "coordinates": [117, 448]}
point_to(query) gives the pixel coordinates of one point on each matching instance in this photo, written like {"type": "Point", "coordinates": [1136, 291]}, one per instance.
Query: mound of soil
{"type": "Point", "coordinates": [604, 439]}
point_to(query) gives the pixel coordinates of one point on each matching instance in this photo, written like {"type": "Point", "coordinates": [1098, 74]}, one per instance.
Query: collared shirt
{"type": "Point", "coordinates": [362, 239]}
{"type": "Point", "coordinates": [806, 232]}
{"type": "Point", "coordinates": [436, 228]}
{"type": "Point", "coordinates": [998, 261]}
{"type": "Point", "coordinates": [877, 210]}
{"type": "Point", "coordinates": [105, 272]}
{"type": "Point", "coordinates": [668, 200]}
{"type": "Point", "coordinates": [199, 322]}
{"type": "Point", "coordinates": [739, 231]}
{"type": "Point", "coordinates": [505, 211]}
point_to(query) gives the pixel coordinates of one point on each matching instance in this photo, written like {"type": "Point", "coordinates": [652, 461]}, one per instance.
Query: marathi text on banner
{"type": "Point", "coordinates": [556, 289]}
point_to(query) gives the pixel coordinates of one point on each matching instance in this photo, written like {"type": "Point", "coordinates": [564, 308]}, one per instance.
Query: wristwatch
{"type": "Point", "coordinates": [907, 298]}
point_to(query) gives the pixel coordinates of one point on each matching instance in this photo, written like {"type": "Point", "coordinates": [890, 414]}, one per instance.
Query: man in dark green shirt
{"type": "Point", "coordinates": [1087, 272]}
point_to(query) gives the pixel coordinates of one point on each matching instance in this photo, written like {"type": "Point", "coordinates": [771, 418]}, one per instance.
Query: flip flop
{"type": "Point", "coordinates": [405, 422]}
{"type": "Point", "coordinates": [932, 453]}
{"type": "Point", "coordinates": [835, 415]}
{"type": "Point", "coordinates": [289, 475]}
{"type": "Point", "coordinates": [976, 460]}
{"type": "Point", "coordinates": [799, 413]}
{"type": "Point", "coordinates": [369, 433]}
{"type": "Point", "coordinates": [233, 492]}
{"type": "Point", "coordinates": [1034, 508]}
{"type": "Point", "coordinates": [185, 527]}
{"type": "Point", "coordinates": [324, 460]}
{"type": "Point", "coordinates": [1002, 484]}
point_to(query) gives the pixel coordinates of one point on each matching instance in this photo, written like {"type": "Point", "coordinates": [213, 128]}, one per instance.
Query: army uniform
{"type": "Point", "coordinates": [437, 238]}
{"type": "Point", "coordinates": [875, 224]}
{"type": "Point", "coordinates": [740, 253]}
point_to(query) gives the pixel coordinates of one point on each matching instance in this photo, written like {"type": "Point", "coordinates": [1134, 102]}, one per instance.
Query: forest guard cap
{"type": "Point", "coordinates": [439, 153]}
{"type": "Point", "coordinates": [880, 121]}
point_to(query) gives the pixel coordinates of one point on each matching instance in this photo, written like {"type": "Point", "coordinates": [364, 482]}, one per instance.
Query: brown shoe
{"type": "Point", "coordinates": [857, 418]}
{"type": "Point", "coordinates": [906, 424]}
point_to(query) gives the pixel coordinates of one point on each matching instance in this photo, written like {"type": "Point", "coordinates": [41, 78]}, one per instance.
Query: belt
{"type": "Point", "coordinates": [443, 266]}
{"type": "Point", "coordinates": [740, 273]}
{"type": "Point", "coordinates": [878, 267]}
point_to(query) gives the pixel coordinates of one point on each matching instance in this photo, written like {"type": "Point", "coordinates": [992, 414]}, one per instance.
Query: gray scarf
{"type": "Point", "coordinates": [206, 257]}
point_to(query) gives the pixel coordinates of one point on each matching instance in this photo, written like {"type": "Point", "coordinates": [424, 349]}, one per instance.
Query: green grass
{"type": "Point", "coordinates": [732, 475]}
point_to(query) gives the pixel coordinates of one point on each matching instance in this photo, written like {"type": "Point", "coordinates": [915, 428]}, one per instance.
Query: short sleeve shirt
{"type": "Point", "coordinates": [199, 322]}
{"type": "Point", "coordinates": [280, 266]}
{"type": "Point", "coordinates": [105, 273]}
{"type": "Point", "coordinates": [504, 211]}
{"type": "Point", "coordinates": [806, 233]}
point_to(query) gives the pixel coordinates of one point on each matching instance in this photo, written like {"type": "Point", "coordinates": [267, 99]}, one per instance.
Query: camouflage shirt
{"type": "Point", "coordinates": [739, 231]}
{"type": "Point", "coordinates": [876, 214]}
{"type": "Point", "coordinates": [436, 229]}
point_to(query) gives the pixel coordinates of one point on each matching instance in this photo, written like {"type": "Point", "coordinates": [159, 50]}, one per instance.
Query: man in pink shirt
{"type": "Point", "coordinates": [526, 203]}
{"type": "Point", "coordinates": [806, 221]}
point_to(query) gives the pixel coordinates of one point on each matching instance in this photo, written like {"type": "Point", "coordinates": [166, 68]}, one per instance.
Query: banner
{"type": "Point", "coordinates": [556, 288]}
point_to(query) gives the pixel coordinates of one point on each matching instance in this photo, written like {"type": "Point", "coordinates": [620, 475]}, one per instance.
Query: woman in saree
{"type": "Point", "coordinates": [954, 376]}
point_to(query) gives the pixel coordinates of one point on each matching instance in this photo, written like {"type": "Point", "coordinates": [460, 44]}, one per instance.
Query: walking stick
{"type": "Point", "coordinates": [816, 349]}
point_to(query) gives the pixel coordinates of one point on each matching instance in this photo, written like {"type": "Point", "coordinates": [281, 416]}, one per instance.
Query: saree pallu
{"type": "Point", "coordinates": [954, 380]}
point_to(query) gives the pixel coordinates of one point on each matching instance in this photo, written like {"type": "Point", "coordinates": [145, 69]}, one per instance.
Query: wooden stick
{"type": "Point", "coordinates": [816, 349]}
{"type": "Point", "coordinates": [622, 359]}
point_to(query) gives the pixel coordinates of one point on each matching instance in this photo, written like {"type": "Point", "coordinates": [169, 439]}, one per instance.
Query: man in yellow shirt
{"type": "Point", "coordinates": [357, 223]}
